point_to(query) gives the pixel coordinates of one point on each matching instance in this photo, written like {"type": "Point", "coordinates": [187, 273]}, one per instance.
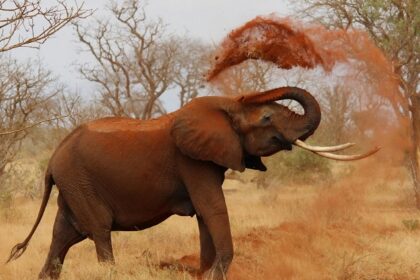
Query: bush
{"type": "Point", "coordinates": [298, 166]}
{"type": "Point", "coordinates": [411, 225]}
{"type": "Point", "coordinates": [303, 161]}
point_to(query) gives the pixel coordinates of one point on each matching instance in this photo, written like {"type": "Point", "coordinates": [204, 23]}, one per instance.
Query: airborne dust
{"type": "Point", "coordinates": [342, 221]}
{"type": "Point", "coordinates": [369, 74]}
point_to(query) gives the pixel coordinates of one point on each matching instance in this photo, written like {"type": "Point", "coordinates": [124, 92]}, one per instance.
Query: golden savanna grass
{"type": "Point", "coordinates": [356, 228]}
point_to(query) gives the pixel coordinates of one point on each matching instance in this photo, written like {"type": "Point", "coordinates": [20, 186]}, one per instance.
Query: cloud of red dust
{"type": "Point", "coordinates": [337, 219]}
{"type": "Point", "coordinates": [289, 43]}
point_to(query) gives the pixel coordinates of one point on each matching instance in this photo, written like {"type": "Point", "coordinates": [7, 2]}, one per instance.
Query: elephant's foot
{"type": "Point", "coordinates": [214, 274]}
{"type": "Point", "coordinates": [51, 270]}
{"type": "Point", "coordinates": [206, 261]}
{"type": "Point", "coordinates": [218, 270]}
{"type": "Point", "coordinates": [64, 236]}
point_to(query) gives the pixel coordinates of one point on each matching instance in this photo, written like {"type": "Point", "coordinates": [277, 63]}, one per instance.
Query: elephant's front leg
{"type": "Point", "coordinates": [205, 188]}
{"type": "Point", "coordinates": [207, 250]}
{"type": "Point", "coordinates": [219, 228]}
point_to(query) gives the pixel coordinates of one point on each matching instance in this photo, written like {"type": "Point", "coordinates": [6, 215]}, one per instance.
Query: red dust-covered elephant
{"type": "Point", "coordinates": [122, 174]}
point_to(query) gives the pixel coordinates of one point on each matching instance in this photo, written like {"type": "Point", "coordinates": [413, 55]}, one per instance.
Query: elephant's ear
{"type": "Point", "coordinates": [207, 134]}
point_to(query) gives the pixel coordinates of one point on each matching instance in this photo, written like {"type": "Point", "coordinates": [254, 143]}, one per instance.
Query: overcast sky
{"type": "Point", "coordinates": [209, 20]}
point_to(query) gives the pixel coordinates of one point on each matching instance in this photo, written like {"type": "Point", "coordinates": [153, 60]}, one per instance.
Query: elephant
{"type": "Point", "coordinates": [124, 174]}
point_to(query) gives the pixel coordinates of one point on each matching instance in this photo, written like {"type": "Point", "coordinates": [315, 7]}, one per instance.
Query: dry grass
{"type": "Point", "coordinates": [352, 230]}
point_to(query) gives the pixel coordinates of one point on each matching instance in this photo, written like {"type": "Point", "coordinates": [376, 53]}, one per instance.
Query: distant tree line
{"type": "Point", "coordinates": [136, 61]}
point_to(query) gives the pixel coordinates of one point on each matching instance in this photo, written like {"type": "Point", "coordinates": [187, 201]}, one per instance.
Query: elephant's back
{"type": "Point", "coordinates": [127, 166]}
{"type": "Point", "coordinates": [114, 136]}
{"type": "Point", "coordinates": [124, 124]}
{"type": "Point", "coordinates": [116, 144]}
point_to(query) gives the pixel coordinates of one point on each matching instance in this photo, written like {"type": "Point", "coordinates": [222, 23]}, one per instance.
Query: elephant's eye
{"type": "Point", "coordinates": [266, 118]}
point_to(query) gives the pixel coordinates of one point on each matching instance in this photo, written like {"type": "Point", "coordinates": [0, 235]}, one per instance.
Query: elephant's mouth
{"type": "Point", "coordinates": [281, 143]}
{"type": "Point", "coordinates": [254, 162]}
{"type": "Point", "coordinates": [286, 146]}
{"type": "Point", "coordinates": [278, 146]}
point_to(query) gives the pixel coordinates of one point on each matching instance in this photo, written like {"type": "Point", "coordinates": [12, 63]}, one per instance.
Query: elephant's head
{"type": "Point", "coordinates": [236, 132]}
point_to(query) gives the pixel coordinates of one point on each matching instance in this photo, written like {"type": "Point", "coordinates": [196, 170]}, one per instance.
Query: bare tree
{"type": "Point", "coordinates": [76, 109]}
{"type": "Point", "coordinates": [192, 62]}
{"type": "Point", "coordinates": [336, 104]}
{"type": "Point", "coordinates": [249, 76]}
{"type": "Point", "coordinates": [24, 91]}
{"type": "Point", "coordinates": [28, 23]}
{"type": "Point", "coordinates": [26, 88]}
{"type": "Point", "coordinates": [72, 110]}
{"type": "Point", "coordinates": [394, 27]}
{"type": "Point", "coordinates": [136, 62]}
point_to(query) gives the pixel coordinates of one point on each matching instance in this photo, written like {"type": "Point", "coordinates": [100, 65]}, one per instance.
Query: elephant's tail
{"type": "Point", "coordinates": [20, 248]}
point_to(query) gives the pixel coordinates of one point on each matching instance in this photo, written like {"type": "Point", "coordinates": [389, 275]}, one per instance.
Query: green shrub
{"type": "Point", "coordinates": [297, 166]}
{"type": "Point", "coordinates": [411, 224]}
{"type": "Point", "coordinates": [301, 161]}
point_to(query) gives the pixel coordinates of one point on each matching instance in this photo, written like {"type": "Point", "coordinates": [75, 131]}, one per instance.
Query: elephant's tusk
{"type": "Point", "coordinates": [308, 147]}
{"type": "Point", "coordinates": [347, 157]}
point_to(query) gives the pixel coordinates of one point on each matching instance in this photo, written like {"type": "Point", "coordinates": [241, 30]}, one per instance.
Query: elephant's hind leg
{"type": "Point", "coordinates": [93, 216]}
{"type": "Point", "coordinates": [64, 236]}
{"type": "Point", "coordinates": [103, 246]}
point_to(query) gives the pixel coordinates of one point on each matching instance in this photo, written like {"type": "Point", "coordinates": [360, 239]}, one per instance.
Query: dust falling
{"type": "Point", "coordinates": [270, 40]}
{"type": "Point", "coordinates": [352, 212]}
{"type": "Point", "coordinates": [368, 73]}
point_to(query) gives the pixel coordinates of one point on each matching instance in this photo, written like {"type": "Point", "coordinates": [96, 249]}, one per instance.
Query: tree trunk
{"type": "Point", "coordinates": [415, 149]}
{"type": "Point", "coordinates": [148, 108]}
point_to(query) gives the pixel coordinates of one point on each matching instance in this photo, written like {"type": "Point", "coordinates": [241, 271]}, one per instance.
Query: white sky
{"type": "Point", "coordinates": [209, 20]}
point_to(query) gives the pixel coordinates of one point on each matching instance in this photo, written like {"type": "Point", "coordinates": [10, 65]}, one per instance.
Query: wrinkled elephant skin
{"type": "Point", "coordinates": [127, 174]}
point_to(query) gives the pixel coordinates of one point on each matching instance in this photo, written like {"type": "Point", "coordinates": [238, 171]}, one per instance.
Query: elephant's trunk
{"type": "Point", "coordinates": [302, 126]}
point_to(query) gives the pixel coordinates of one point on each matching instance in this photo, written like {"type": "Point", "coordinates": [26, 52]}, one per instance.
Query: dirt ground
{"type": "Point", "coordinates": [347, 230]}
